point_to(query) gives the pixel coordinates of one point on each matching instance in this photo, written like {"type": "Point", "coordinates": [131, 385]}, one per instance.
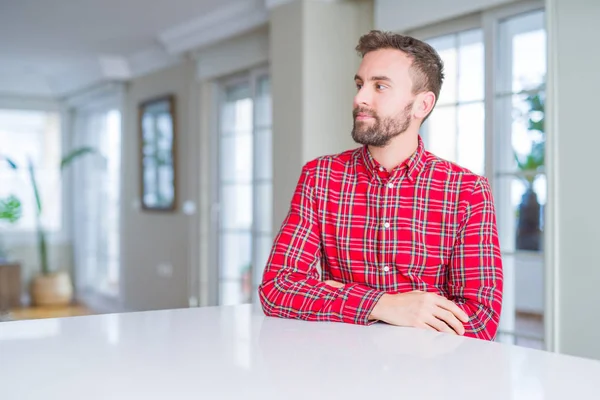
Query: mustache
{"type": "Point", "coordinates": [366, 111]}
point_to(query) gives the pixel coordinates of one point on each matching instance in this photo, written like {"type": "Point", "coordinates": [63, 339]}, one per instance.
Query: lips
{"type": "Point", "coordinates": [363, 116]}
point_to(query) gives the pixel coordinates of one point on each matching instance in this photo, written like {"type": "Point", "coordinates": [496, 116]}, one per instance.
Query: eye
{"type": "Point", "coordinates": [380, 86]}
{"type": "Point", "coordinates": [359, 86]}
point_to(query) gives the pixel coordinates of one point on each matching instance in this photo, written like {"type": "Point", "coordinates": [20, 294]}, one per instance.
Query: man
{"type": "Point", "coordinates": [402, 236]}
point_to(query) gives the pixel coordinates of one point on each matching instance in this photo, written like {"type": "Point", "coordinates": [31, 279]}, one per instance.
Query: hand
{"type": "Point", "coordinates": [420, 310]}
{"type": "Point", "coordinates": [335, 284]}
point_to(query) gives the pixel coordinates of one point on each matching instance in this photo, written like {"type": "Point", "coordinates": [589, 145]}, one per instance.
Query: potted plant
{"type": "Point", "coordinates": [529, 233]}
{"type": "Point", "coordinates": [49, 287]}
{"type": "Point", "coordinates": [10, 272]}
{"type": "Point", "coordinates": [10, 211]}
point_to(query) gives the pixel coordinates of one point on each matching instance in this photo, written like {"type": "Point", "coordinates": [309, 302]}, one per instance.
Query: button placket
{"type": "Point", "coordinates": [385, 227]}
{"type": "Point", "coordinates": [386, 224]}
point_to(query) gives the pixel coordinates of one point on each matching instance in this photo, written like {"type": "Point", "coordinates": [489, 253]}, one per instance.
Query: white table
{"type": "Point", "coordinates": [237, 353]}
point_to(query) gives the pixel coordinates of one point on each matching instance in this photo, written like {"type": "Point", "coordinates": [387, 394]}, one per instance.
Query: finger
{"type": "Point", "coordinates": [439, 325]}
{"type": "Point", "coordinates": [450, 320]}
{"type": "Point", "coordinates": [453, 308]}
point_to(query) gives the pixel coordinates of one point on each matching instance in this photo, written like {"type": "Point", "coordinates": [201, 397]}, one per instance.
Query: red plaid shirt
{"type": "Point", "coordinates": [427, 225]}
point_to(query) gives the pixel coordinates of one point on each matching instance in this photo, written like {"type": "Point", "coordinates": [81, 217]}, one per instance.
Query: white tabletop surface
{"type": "Point", "coordinates": [237, 353]}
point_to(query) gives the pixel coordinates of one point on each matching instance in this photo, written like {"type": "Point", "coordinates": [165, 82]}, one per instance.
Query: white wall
{"type": "Point", "coordinates": [153, 239]}
{"type": "Point", "coordinates": [233, 55]}
{"type": "Point", "coordinates": [402, 15]}
{"type": "Point", "coordinates": [331, 32]}
{"type": "Point", "coordinates": [574, 143]}
{"type": "Point", "coordinates": [313, 63]}
{"type": "Point", "coordinates": [287, 58]}
{"type": "Point", "coordinates": [29, 103]}
{"type": "Point", "coordinates": [205, 268]}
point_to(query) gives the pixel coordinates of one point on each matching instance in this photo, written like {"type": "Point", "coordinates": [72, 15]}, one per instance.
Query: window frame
{"type": "Point", "coordinates": [489, 22]}
{"type": "Point", "coordinates": [252, 78]}
{"type": "Point", "coordinates": [18, 238]}
{"type": "Point", "coordinates": [464, 25]}
{"type": "Point", "coordinates": [100, 100]}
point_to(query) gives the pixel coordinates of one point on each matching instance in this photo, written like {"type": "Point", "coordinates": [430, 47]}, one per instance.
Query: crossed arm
{"type": "Point", "coordinates": [291, 287]}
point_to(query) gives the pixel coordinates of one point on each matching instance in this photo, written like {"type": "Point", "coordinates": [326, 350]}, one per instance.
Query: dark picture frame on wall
{"type": "Point", "coordinates": [158, 133]}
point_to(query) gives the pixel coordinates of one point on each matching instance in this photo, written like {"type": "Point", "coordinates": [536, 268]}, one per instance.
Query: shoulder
{"type": "Point", "coordinates": [452, 173]}
{"type": "Point", "coordinates": [340, 162]}
{"type": "Point", "coordinates": [469, 187]}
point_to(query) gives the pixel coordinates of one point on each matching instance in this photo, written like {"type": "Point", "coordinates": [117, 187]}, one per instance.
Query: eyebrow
{"type": "Point", "coordinates": [373, 78]}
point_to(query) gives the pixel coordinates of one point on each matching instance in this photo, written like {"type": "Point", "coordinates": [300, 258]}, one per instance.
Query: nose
{"type": "Point", "coordinates": [362, 98]}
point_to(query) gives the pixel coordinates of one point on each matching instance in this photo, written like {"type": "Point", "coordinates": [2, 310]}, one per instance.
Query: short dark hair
{"type": "Point", "coordinates": [427, 70]}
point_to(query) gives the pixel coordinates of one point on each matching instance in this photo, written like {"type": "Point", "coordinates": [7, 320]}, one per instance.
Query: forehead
{"type": "Point", "coordinates": [392, 63]}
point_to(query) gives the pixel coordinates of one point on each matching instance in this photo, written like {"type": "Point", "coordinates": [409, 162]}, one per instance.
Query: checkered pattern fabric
{"type": "Point", "coordinates": [427, 225]}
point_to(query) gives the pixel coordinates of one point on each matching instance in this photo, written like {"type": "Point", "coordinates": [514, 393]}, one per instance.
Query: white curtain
{"type": "Point", "coordinates": [95, 195]}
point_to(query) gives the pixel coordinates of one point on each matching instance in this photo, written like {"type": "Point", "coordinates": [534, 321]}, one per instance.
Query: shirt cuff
{"type": "Point", "coordinates": [359, 303]}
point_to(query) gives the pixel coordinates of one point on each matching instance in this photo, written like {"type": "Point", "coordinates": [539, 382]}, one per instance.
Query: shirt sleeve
{"type": "Point", "coordinates": [475, 273]}
{"type": "Point", "coordinates": [291, 287]}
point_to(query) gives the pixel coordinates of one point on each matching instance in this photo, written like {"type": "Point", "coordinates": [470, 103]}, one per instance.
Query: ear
{"type": "Point", "coordinates": [424, 103]}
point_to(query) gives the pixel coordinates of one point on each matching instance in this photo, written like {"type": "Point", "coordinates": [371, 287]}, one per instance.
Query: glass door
{"type": "Point", "coordinates": [244, 186]}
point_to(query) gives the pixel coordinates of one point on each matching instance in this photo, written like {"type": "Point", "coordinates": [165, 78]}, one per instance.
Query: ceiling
{"type": "Point", "coordinates": [52, 48]}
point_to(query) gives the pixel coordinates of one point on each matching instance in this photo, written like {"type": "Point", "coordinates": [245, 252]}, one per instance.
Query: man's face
{"type": "Point", "coordinates": [384, 101]}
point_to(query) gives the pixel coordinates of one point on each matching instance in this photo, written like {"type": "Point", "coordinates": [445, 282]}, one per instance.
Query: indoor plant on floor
{"type": "Point", "coordinates": [49, 287]}
{"type": "Point", "coordinates": [529, 233]}
{"type": "Point", "coordinates": [10, 272]}
{"type": "Point", "coordinates": [10, 211]}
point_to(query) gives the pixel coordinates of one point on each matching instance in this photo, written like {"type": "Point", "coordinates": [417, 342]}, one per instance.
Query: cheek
{"type": "Point", "coordinates": [388, 105]}
{"type": "Point", "coordinates": [397, 105]}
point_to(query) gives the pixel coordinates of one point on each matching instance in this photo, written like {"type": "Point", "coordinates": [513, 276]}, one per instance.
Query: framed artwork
{"type": "Point", "coordinates": [157, 154]}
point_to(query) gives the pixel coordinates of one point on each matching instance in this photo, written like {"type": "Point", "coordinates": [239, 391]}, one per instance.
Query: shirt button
{"type": "Point", "coordinates": [381, 169]}
{"type": "Point", "coordinates": [387, 224]}
{"type": "Point", "coordinates": [386, 268]}
{"type": "Point", "coordinates": [390, 185]}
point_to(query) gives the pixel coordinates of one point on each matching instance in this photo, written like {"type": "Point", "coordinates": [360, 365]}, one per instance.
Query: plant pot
{"type": "Point", "coordinates": [10, 285]}
{"type": "Point", "coordinates": [54, 289]}
{"type": "Point", "coordinates": [529, 234]}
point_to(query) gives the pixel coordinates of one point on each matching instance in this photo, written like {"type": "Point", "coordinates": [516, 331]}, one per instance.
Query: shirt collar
{"type": "Point", "coordinates": [412, 165]}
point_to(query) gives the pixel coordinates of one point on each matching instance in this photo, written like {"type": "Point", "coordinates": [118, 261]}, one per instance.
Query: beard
{"type": "Point", "coordinates": [380, 131]}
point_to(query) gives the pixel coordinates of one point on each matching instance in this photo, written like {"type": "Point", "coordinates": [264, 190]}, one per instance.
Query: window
{"type": "Point", "coordinates": [29, 135]}
{"type": "Point", "coordinates": [96, 201]}
{"type": "Point", "coordinates": [514, 62]}
{"type": "Point", "coordinates": [455, 131]}
{"type": "Point", "coordinates": [244, 186]}
{"type": "Point", "coordinates": [520, 187]}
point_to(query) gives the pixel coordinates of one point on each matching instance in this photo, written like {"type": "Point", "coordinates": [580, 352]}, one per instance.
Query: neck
{"type": "Point", "coordinates": [397, 151]}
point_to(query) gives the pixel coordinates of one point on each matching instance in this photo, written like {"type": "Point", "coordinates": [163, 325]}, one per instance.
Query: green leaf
{"type": "Point", "coordinates": [536, 125]}
{"type": "Point", "coordinates": [519, 163]}
{"type": "Point", "coordinates": [10, 162]}
{"type": "Point", "coordinates": [36, 192]}
{"type": "Point", "coordinates": [535, 102]}
{"type": "Point", "coordinates": [43, 249]}
{"type": "Point", "coordinates": [10, 209]}
{"type": "Point", "coordinates": [75, 154]}
{"type": "Point", "coordinates": [531, 163]}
